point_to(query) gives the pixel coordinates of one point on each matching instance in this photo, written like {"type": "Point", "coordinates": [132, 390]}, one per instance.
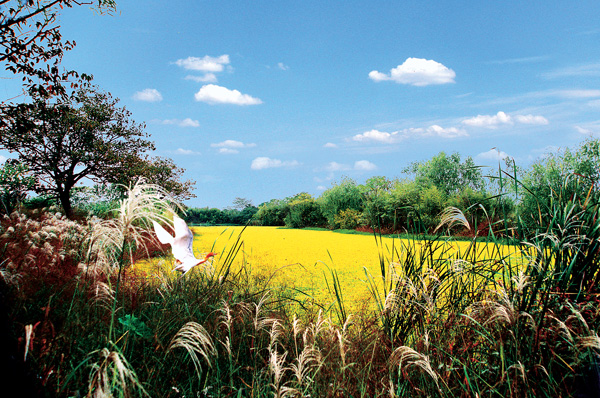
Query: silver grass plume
{"type": "Point", "coordinates": [112, 371]}
{"type": "Point", "coordinates": [144, 203]}
{"type": "Point", "coordinates": [194, 339]}
{"type": "Point", "coordinates": [405, 357]}
{"type": "Point", "coordinates": [452, 216]}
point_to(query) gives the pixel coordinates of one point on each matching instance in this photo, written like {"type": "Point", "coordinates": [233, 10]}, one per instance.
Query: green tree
{"type": "Point", "coordinates": [241, 203]}
{"type": "Point", "coordinates": [343, 196]}
{"type": "Point", "coordinates": [304, 211]}
{"type": "Point", "coordinates": [376, 193]}
{"type": "Point", "coordinates": [15, 182]}
{"type": "Point", "coordinates": [273, 212]}
{"type": "Point", "coordinates": [83, 136]}
{"type": "Point", "coordinates": [448, 173]}
{"type": "Point", "coordinates": [32, 46]}
{"type": "Point", "coordinates": [155, 170]}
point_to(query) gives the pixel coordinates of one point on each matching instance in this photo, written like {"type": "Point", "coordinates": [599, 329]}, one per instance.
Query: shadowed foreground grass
{"type": "Point", "coordinates": [83, 322]}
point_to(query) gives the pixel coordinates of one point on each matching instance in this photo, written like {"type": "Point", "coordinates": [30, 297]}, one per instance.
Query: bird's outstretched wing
{"type": "Point", "coordinates": [184, 238]}
{"type": "Point", "coordinates": [163, 236]}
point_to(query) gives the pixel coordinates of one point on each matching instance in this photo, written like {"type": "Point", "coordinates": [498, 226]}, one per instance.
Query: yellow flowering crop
{"type": "Point", "coordinates": [305, 259]}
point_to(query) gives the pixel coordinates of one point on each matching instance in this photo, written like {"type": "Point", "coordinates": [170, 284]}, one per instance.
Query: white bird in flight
{"type": "Point", "coordinates": [181, 244]}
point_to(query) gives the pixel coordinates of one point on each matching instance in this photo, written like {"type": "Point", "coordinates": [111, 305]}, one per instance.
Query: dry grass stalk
{"type": "Point", "coordinates": [111, 371]}
{"type": "Point", "coordinates": [452, 216]}
{"type": "Point", "coordinates": [193, 338]}
{"type": "Point", "coordinates": [28, 340]}
{"type": "Point", "coordinates": [406, 357]}
{"type": "Point", "coordinates": [144, 203]}
{"type": "Point", "coordinates": [104, 295]}
{"type": "Point", "coordinates": [308, 359]}
{"type": "Point", "coordinates": [277, 370]}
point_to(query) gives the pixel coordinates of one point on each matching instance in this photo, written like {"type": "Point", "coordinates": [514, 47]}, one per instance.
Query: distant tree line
{"type": "Point", "coordinates": [509, 199]}
{"type": "Point", "coordinates": [241, 213]}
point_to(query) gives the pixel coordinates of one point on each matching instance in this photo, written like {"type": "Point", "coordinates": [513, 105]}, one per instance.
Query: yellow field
{"type": "Point", "coordinates": [304, 259]}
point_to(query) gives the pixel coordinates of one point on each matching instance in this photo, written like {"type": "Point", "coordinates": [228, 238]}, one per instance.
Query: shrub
{"type": "Point", "coordinates": [304, 211]}
{"type": "Point", "coordinates": [343, 196]}
{"type": "Point", "coordinates": [349, 219]}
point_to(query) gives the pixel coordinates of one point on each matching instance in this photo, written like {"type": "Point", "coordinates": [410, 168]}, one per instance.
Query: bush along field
{"type": "Point", "coordinates": [80, 320]}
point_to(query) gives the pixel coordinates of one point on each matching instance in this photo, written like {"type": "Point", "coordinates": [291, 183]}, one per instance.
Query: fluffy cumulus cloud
{"type": "Point", "coordinates": [204, 64]}
{"type": "Point", "coordinates": [417, 72]}
{"type": "Point", "coordinates": [261, 163]}
{"type": "Point", "coordinates": [397, 136]}
{"type": "Point", "coordinates": [231, 146]}
{"type": "Point", "coordinates": [376, 135]}
{"type": "Point", "coordinates": [364, 165]}
{"type": "Point", "coordinates": [446, 132]}
{"type": "Point", "coordinates": [330, 145]}
{"type": "Point", "coordinates": [502, 119]}
{"type": "Point", "coordinates": [531, 119]}
{"type": "Point", "coordinates": [488, 121]}
{"type": "Point", "coordinates": [3, 159]}
{"type": "Point", "coordinates": [207, 64]}
{"type": "Point", "coordinates": [335, 166]}
{"type": "Point", "coordinates": [148, 95]}
{"type": "Point", "coordinates": [187, 122]}
{"type": "Point", "coordinates": [213, 94]}
{"type": "Point", "coordinates": [360, 165]}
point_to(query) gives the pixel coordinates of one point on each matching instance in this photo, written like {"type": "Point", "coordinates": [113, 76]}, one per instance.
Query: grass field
{"type": "Point", "coordinates": [298, 313]}
{"type": "Point", "coordinates": [306, 261]}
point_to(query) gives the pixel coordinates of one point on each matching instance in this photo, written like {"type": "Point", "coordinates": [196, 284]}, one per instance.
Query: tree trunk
{"type": "Point", "coordinates": [65, 200]}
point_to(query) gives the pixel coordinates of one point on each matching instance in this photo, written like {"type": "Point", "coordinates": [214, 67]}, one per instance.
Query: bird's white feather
{"type": "Point", "coordinates": [163, 236]}
{"type": "Point", "coordinates": [181, 245]}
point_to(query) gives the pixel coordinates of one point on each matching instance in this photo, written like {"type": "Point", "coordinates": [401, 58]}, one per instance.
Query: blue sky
{"type": "Point", "coordinates": [266, 99]}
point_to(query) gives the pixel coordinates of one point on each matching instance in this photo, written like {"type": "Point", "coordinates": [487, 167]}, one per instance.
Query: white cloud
{"type": "Point", "coordinates": [231, 146]}
{"type": "Point", "coordinates": [321, 188]}
{"type": "Point", "coordinates": [330, 145]}
{"type": "Point", "coordinates": [148, 95]}
{"type": "Point", "coordinates": [582, 130]}
{"type": "Point", "coordinates": [531, 119]}
{"type": "Point", "coordinates": [228, 151]}
{"type": "Point", "coordinates": [397, 136]}
{"type": "Point", "coordinates": [364, 165]}
{"type": "Point", "coordinates": [213, 94]}
{"type": "Point", "coordinates": [335, 166]}
{"type": "Point", "coordinates": [187, 122]}
{"type": "Point", "coordinates": [417, 72]}
{"type": "Point", "coordinates": [448, 132]}
{"type": "Point", "coordinates": [207, 78]}
{"type": "Point", "coordinates": [591, 129]}
{"type": "Point", "coordinates": [501, 118]}
{"type": "Point", "coordinates": [376, 135]}
{"type": "Point", "coordinates": [492, 154]}
{"type": "Point", "coordinates": [3, 159]}
{"type": "Point", "coordinates": [282, 66]}
{"type": "Point", "coordinates": [261, 163]}
{"type": "Point", "coordinates": [488, 121]}
{"type": "Point", "coordinates": [204, 64]}
{"type": "Point", "coordinates": [182, 151]}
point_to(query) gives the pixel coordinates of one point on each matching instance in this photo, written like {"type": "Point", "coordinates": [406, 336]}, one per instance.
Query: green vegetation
{"type": "Point", "coordinates": [83, 321]}
{"type": "Point", "coordinates": [79, 319]}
